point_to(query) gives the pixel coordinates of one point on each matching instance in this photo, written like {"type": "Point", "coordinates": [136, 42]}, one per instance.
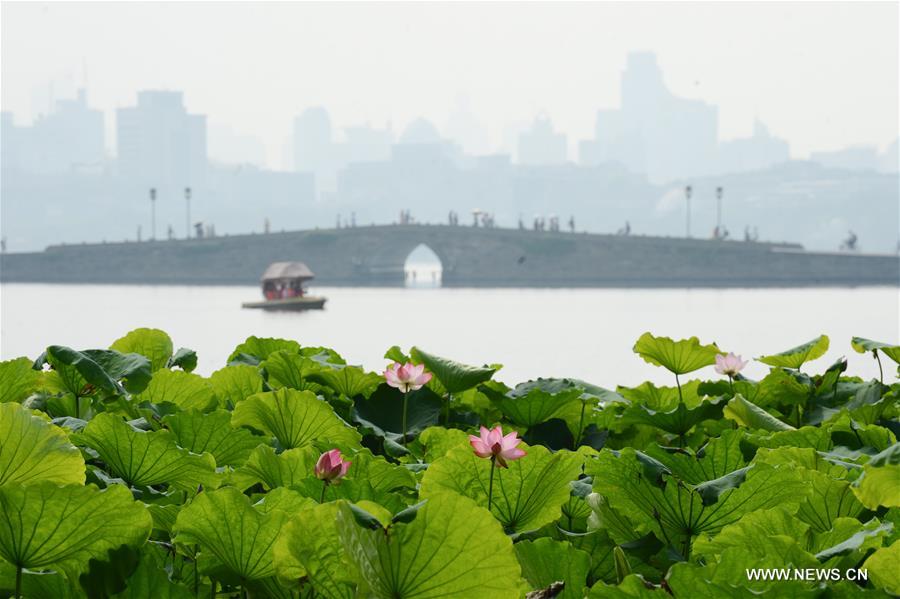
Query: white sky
{"type": "Point", "coordinates": [821, 75]}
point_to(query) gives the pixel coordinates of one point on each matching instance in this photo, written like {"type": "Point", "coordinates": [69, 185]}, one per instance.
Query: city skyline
{"type": "Point", "coordinates": [497, 77]}
{"type": "Point", "coordinates": [653, 132]}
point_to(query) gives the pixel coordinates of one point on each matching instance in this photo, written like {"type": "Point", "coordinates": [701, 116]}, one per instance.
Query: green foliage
{"type": "Point", "coordinates": [209, 485]}
{"type": "Point", "coordinates": [797, 356]}
{"type": "Point", "coordinates": [452, 548]}
{"type": "Point", "coordinates": [862, 346]}
{"type": "Point", "coordinates": [153, 344]}
{"type": "Point", "coordinates": [143, 458]}
{"type": "Point", "coordinates": [678, 357]}
{"type": "Point", "coordinates": [33, 450]}
{"type": "Point", "coordinates": [294, 418]}
{"type": "Point", "coordinates": [453, 376]}
{"type": "Point", "coordinates": [52, 527]}
{"type": "Point", "coordinates": [18, 380]}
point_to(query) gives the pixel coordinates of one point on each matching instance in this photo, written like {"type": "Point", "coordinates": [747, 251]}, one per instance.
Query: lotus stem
{"type": "Point", "coordinates": [678, 384]}
{"type": "Point", "coordinates": [324, 488]}
{"type": "Point", "coordinates": [405, 398]}
{"type": "Point", "coordinates": [196, 573]}
{"type": "Point", "coordinates": [731, 384]}
{"type": "Point", "coordinates": [491, 483]}
{"type": "Point", "coordinates": [580, 426]}
{"type": "Point", "coordinates": [18, 582]}
{"type": "Point", "coordinates": [77, 406]}
{"type": "Point", "coordinates": [212, 588]}
{"type": "Point", "coordinates": [447, 410]}
{"type": "Point", "coordinates": [880, 371]}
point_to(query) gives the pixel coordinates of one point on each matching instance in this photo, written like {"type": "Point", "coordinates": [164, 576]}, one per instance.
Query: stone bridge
{"type": "Point", "coordinates": [470, 257]}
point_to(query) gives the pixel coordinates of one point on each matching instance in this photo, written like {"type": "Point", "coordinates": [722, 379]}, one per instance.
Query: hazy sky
{"type": "Point", "coordinates": [822, 75]}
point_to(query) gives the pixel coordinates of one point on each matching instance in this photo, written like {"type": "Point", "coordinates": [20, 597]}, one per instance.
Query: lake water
{"type": "Point", "coordinates": [584, 333]}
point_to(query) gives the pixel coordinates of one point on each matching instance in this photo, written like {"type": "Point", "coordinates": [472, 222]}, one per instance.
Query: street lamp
{"type": "Point", "coordinates": [187, 217]}
{"type": "Point", "coordinates": [719, 192]}
{"type": "Point", "coordinates": [687, 195]}
{"type": "Point", "coordinates": [153, 213]}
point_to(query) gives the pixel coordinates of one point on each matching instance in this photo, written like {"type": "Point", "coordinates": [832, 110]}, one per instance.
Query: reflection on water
{"type": "Point", "coordinates": [584, 333]}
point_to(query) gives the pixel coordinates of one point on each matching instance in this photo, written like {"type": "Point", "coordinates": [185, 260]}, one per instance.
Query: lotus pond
{"type": "Point", "coordinates": [288, 473]}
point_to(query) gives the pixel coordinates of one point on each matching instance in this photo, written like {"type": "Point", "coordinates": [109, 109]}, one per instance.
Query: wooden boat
{"type": "Point", "coordinates": [283, 287]}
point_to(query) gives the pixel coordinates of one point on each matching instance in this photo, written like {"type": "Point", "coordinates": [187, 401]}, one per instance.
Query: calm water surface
{"type": "Point", "coordinates": [584, 333]}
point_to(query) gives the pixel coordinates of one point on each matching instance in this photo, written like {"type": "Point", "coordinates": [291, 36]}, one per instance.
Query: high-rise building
{"type": "Point", "coordinates": [70, 139]}
{"type": "Point", "coordinates": [314, 150]}
{"type": "Point", "coordinates": [541, 145]}
{"type": "Point", "coordinates": [159, 143]}
{"type": "Point", "coordinates": [654, 132]}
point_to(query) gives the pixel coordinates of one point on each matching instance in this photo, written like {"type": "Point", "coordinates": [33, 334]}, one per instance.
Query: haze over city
{"type": "Point", "coordinates": [288, 116]}
{"type": "Point", "coordinates": [254, 70]}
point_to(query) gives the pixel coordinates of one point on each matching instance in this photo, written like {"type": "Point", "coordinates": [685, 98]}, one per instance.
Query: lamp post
{"type": "Point", "coordinates": [719, 192]}
{"type": "Point", "coordinates": [687, 195]}
{"type": "Point", "coordinates": [153, 214]}
{"type": "Point", "coordinates": [187, 216]}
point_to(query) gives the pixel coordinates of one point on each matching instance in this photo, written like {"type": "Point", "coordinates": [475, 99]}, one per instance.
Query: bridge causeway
{"type": "Point", "coordinates": [470, 257]}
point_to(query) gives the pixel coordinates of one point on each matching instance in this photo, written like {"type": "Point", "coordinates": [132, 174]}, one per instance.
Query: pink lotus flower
{"type": "Point", "coordinates": [729, 364]}
{"type": "Point", "coordinates": [492, 443]}
{"type": "Point", "coordinates": [331, 466]}
{"type": "Point", "coordinates": [408, 377]}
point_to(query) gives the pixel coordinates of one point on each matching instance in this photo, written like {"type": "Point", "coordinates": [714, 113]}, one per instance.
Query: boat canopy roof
{"type": "Point", "coordinates": [279, 271]}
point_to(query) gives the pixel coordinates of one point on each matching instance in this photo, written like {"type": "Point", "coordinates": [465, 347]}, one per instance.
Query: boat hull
{"type": "Point", "coordinates": [289, 303]}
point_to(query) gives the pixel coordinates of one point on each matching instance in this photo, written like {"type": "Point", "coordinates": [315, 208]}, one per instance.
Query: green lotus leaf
{"type": "Point", "coordinates": [52, 527]}
{"type": "Point", "coordinates": [438, 441]}
{"type": "Point", "coordinates": [356, 491]}
{"type": "Point", "coordinates": [534, 406]}
{"type": "Point", "coordinates": [238, 536]}
{"type": "Point", "coordinates": [276, 470]}
{"type": "Point", "coordinates": [184, 358]}
{"type": "Point", "coordinates": [164, 515]}
{"type": "Point", "coordinates": [452, 548]}
{"type": "Point", "coordinates": [717, 458]}
{"type": "Point", "coordinates": [772, 533]}
{"type": "Point", "coordinates": [663, 399]}
{"type": "Point", "coordinates": [796, 356]}
{"type": "Point", "coordinates": [830, 499]}
{"type": "Point", "coordinates": [183, 389]}
{"type": "Point", "coordinates": [862, 346]}
{"type": "Point", "coordinates": [383, 410]}
{"type": "Point", "coordinates": [100, 368]}
{"type": "Point", "coordinates": [310, 547]}
{"type": "Point", "coordinates": [747, 414]}
{"type": "Point", "coordinates": [882, 568]}
{"type": "Point", "coordinates": [145, 458]}
{"type": "Point", "coordinates": [727, 578]}
{"type": "Point", "coordinates": [546, 561]}
{"type": "Point", "coordinates": [646, 492]}
{"type": "Point", "coordinates": [212, 433]}
{"type": "Point", "coordinates": [150, 581]}
{"type": "Point", "coordinates": [632, 587]}
{"type": "Point", "coordinates": [287, 368]}
{"type": "Point", "coordinates": [33, 450]}
{"type": "Point", "coordinates": [234, 384]}
{"type": "Point", "coordinates": [678, 357]}
{"type": "Point", "coordinates": [18, 380]}
{"type": "Point", "coordinates": [153, 344]}
{"type": "Point", "coordinates": [349, 381]}
{"type": "Point", "coordinates": [779, 388]}
{"type": "Point", "coordinates": [378, 472]}
{"type": "Point", "coordinates": [261, 347]}
{"type": "Point", "coordinates": [677, 421]}
{"type": "Point", "coordinates": [526, 496]}
{"type": "Point", "coordinates": [295, 418]}
{"type": "Point", "coordinates": [49, 584]}
{"type": "Point", "coordinates": [289, 501]}
{"type": "Point", "coordinates": [879, 484]}
{"type": "Point", "coordinates": [453, 376]}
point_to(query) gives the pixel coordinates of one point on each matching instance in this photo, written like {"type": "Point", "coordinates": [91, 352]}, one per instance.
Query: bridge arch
{"type": "Point", "coordinates": [423, 268]}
